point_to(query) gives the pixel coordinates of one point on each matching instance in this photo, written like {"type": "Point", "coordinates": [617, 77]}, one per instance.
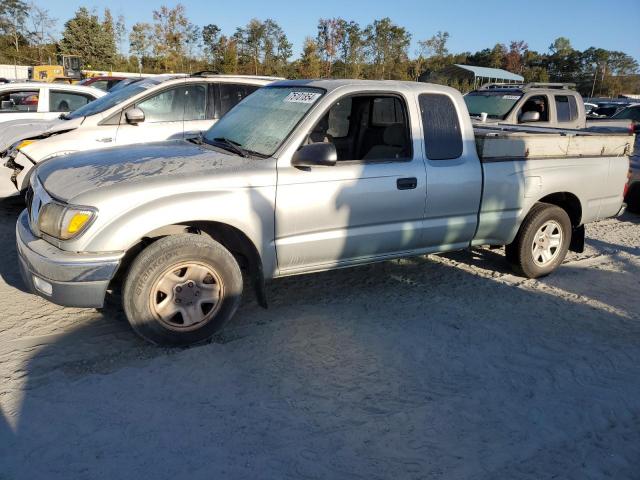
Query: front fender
{"type": "Point", "coordinates": [250, 210]}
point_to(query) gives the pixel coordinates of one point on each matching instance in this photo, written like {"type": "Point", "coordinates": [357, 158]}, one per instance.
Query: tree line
{"type": "Point", "coordinates": [339, 48]}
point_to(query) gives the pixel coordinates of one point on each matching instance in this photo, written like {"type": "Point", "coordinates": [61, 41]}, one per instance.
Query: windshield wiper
{"type": "Point", "coordinates": [197, 140]}
{"type": "Point", "coordinates": [233, 146]}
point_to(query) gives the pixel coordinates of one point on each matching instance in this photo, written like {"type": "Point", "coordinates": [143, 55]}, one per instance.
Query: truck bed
{"type": "Point", "coordinates": [514, 142]}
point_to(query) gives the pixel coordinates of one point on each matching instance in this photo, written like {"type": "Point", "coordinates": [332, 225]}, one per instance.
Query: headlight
{"type": "Point", "coordinates": [64, 221]}
{"type": "Point", "coordinates": [24, 143]}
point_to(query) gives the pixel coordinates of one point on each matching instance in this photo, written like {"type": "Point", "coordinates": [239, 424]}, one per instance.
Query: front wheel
{"type": "Point", "coordinates": [542, 241]}
{"type": "Point", "coordinates": [181, 290]}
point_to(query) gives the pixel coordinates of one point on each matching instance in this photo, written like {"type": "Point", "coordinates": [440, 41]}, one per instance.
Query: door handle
{"type": "Point", "coordinates": [407, 183]}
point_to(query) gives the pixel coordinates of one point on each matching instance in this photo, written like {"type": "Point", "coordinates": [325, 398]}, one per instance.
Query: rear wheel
{"type": "Point", "coordinates": [542, 241]}
{"type": "Point", "coordinates": [181, 290]}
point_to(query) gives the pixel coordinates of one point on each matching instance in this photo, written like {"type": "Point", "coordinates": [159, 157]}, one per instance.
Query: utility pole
{"type": "Point", "coordinates": [595, 75]}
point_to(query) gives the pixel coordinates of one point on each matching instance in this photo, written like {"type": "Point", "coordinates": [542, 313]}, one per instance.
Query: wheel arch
{"type": "Point", "coordinates": [230, 237]}
{"type": "Point", "coordinates": [569, 202]}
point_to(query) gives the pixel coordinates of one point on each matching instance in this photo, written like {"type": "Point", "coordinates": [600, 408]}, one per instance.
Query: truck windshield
{"type": "Point", "coordinates": [494, 104]}
{"type": "Point", "coordinates": [115, 98]}
{"type": "Point", "coordinates": [263, 120]}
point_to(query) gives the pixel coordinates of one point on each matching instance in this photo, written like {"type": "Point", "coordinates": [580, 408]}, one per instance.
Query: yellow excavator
{"type": "Point", "coordinates": [69, 70]}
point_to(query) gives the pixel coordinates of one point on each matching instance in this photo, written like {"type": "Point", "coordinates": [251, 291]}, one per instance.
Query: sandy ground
{"type": "Point", "coordinates": [434, 367]}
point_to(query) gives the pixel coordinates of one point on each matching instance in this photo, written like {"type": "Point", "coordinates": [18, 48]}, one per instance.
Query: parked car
{"type": "Point", "coordinates": [605, 110]}
{"type": "Point", "coordinates": [156, 108]}
{"type": "Point", "coordinates": [548, 105]}
{"type": "Point", "coordinates": [123, 83]}
{"type": "Point", "coordinates": [588, 107]}
{"type": "Point", "coordinates": [103, 82]}
{"type": "Point", "coordinates": [42, 101]}
{"type": "Point", "coordinates": [554, 105]}
{"type": "Point", "coordinates": [299, 177]}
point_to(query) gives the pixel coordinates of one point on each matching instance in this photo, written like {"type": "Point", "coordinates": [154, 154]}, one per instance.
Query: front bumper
{"type": "Point", "coordinates": [66, 278]}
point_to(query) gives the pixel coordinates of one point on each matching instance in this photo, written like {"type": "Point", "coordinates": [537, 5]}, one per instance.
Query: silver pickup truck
{"type": "Point", "coordinates": [305, 176]}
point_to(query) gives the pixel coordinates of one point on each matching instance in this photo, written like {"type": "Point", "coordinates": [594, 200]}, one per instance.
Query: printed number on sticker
{"type": "Point", "coordinates": [302, 97]}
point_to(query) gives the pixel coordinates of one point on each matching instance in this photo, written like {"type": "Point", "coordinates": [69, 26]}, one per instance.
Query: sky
{"type": "Point", "coordinates": [472, 25]}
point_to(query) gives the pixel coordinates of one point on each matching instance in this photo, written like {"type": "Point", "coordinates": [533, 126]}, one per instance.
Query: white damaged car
{"type": "Point", "coordinates": [154, 109]}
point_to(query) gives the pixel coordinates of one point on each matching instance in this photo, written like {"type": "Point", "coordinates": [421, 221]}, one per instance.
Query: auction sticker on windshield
{"type": "Point", "coordinates": [302, 97]}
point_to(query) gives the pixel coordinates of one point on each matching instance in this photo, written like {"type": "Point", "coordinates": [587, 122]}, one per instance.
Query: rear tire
{"type": "Point", "coordinates": [542, 241]}
{"type": "Point", "coordinates": [181, 290]}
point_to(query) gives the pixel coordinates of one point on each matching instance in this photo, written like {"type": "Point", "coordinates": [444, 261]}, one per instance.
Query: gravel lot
{"type": "Point", "coordinates": [434, 367]}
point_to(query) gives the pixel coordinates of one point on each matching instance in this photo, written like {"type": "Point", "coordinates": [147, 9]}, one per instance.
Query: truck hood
{"type": "Point", "coordinates": [16, 130]}
{"type": "Point", "coordinates": [158, 163]}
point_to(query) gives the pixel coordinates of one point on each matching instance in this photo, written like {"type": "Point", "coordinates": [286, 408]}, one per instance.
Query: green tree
{"type": "Point", "coordinates": [387, 47]}
{"type": "Point", "coordinates": [433, 54]}
{"type": "Point", "coordinates": [230, 56]}
{"type": "Point", "coordinates": [13, 17]}
{"type": "Point", "coordinates": [513, 58]}
{"type": "Point", "coordinates": [139, 39]}
{"type": "Point", "coordinates": [41, 27]}
{"type": "Point", "coordinates": [213, 46]}
{"type": "Point", "coordinates": [85, 35]}
{"type": "Point", "coordinates": [330, 35]}
{"type": "Point", "coordinates": [171, 31]}
{"type": "Point", "coordinates": [310, 64]}
{"type": "Point", "coordinates": [351, 48]}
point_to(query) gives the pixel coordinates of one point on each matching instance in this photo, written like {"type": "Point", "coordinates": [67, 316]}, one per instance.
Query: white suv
{"type": "Point", "coordinates": [46, 101]}
{"type": "Point", "coordinates": [153, 109]}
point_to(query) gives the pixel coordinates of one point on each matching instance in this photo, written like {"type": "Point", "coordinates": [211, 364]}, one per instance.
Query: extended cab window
{"type": "Point", "coordinates": [442, 134]}
{"type": "Point", "coordinates": [566, 108]}
{"type": "Point", "coordinates": [367, 128]}
{"type": "Point", "coordinates": [19, 101]}
{"type": "Point", "coordinates": [67, 101]}
{"type": "Point", "coordinates": [232, 94]}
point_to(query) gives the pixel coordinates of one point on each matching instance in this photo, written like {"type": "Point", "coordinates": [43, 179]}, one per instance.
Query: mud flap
{"type": "Point", "coordinates": [259, 286]}
{"type": "Point", "coordinates": [577, 239]}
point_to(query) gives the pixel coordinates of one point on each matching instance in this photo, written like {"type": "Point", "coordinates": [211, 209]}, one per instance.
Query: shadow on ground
{"type": "Point", "coordinates": [409, 369]}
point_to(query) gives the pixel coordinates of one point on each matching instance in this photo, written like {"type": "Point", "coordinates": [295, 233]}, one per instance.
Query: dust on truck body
{"type": "Point", "coordinates": [300, 177]}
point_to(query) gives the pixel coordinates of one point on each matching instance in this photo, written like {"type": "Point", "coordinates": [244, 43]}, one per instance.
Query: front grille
{"type": "Point", "coordinates": [36, 198]}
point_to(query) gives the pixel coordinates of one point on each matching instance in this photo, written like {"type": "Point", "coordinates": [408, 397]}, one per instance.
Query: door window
{"type": "Point", "coordinates": [195, 102]}
{"type": "Point", "coordinates": [232, 94]}
{"type": "Point", "coordinates": [366, 128]}
{"type": "Point", "coordinates": [442, 134]}
{"type": "Point", "coordinates": [19, 101]}
{"type": "Point", "coordinates": [67, 101]}
{"type": "Point", "coordinates": [167, 106]}
{"type": "Point", "coordinates": [566, 108]}
{"type": "Point", "coordinates": [536, 103]}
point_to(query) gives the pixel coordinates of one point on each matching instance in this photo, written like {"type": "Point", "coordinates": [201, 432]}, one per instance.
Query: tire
{"type": "Point", "coordinates": [181, 290]}
{"type": "Point", "coordinates": [545, 225]}
{"type": "Point", "coordinates": [633, 198]}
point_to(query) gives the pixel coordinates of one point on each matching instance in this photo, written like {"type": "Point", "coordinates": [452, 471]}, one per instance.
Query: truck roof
{"type": "Point", "coordinates": [334, 84]}
{"type": "Point", "coordinates": [529, 86]}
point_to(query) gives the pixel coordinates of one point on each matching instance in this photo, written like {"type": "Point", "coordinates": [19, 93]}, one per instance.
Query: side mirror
{"type": "Point", "coordinates": [134, 116]}
{"type": "Point", "coordinates": [315, 155]}
{"type": "Point", "coordinates": [530, 117]}
{"type": "Point", "coordinates": [7, 104]}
